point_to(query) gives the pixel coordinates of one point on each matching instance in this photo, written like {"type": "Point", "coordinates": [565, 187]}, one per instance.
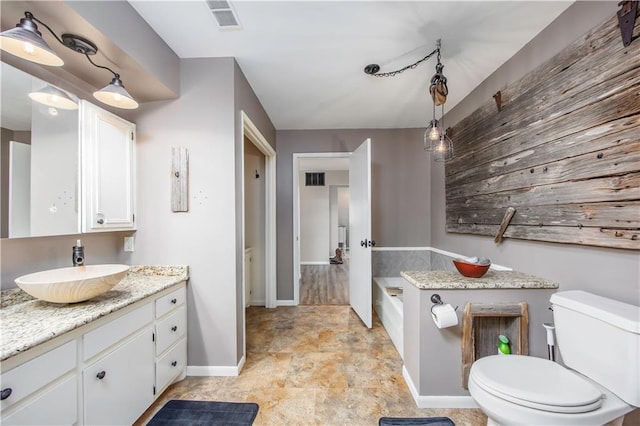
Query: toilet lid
{"type": "Point", "coordinates": [536, 383]}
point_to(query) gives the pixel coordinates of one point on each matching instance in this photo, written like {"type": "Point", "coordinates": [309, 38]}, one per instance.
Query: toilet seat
{"type": "Point", "coordinates": [535, 383]}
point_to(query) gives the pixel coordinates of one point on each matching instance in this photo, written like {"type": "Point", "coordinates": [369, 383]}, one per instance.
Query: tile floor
{"type": "Point", "coordinates": [315, 365]}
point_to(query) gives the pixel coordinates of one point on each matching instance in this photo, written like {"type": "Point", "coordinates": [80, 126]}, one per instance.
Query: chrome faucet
{"type": "Point", "coordinates": [78, 254]}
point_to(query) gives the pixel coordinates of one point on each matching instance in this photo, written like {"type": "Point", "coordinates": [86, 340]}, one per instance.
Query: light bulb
{"type": "Point", "coordinates": [28, 48]}
{"type": "Point", "coordinates": [434, 134]}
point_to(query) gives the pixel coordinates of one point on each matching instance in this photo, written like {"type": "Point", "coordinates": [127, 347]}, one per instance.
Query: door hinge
{"type": "Point", "coordinates": [154, 390]}
{"type": "Point", "coordinates": [131, 135]}
{"type": "Point", "coordinates": [153, 337]}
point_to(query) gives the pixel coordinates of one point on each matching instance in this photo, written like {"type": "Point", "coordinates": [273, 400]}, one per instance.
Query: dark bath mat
{"type": "Point", "coordinates": [405, 421]}
{"type": "Point", "coordinates": [195, 413]}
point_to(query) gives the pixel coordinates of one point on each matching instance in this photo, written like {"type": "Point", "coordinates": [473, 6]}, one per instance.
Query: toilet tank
{"type": "Point", "coordinates": [600, 338]}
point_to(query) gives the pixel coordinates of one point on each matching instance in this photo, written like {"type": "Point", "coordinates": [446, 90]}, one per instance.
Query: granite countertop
{"type": "Point", "coordinates": [26, 322]}
{"type": "Point", "coordinates": [453, 280]}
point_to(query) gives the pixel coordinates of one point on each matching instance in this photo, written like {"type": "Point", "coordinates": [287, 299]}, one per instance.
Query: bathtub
{"type": "Point", "coordinates": [389, 308]}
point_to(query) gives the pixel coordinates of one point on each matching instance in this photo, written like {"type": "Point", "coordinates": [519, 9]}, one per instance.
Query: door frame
{"type": "Point", "coordinates": [296, 212]}
{"type": "Point", "coordinates": [251, 132]}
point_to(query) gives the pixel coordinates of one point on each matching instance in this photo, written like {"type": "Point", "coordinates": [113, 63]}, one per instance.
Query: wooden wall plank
{"type": "Point", "coordinates": [617, 160]}
{"type": "Point", "coordinates": [564, 150]}
{"type": "Point", "coordinates": [621, 214]}
{"type": "Point", "coordinates": [601, 237]}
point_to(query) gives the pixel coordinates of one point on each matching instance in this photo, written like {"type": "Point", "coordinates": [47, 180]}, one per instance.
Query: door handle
{"type": "Point", "coordinates": [367, 243]}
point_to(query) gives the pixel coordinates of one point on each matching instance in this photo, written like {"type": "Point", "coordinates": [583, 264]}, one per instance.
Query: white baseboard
{"type": "Point", "coordinates": [215, 371]}
{"type": "Point", "coordinates": [437, 401]}
{"type": "Point", "coordinates": [318, 262]}
{"type": "Point", "coordinates": [286, 303]}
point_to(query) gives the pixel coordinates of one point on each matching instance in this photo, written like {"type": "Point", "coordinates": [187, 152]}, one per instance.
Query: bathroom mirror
{"type": "Point", "coordinates": [39, 155]}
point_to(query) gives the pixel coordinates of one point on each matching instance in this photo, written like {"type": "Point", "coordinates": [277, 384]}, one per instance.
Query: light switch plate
{"type": "Point", "coordinates": [128, 244]}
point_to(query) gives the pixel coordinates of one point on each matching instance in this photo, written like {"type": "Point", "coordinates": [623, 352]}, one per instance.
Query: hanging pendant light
{"type": "Point", "coordinates": [26, 42]}
{"type": "Point", "coordinates": [116, 95]}
{"type": "Point", "coordinates": [53, 97]}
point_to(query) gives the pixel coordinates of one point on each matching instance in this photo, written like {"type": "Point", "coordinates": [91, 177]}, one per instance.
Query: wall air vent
{"type": "Point", "coordinates": [314, 179]}
{"type": "Point", "coordinates": [224, 14]}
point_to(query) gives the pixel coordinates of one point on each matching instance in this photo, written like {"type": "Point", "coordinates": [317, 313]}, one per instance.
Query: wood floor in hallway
{"type": "Point", "coordinates": [315, 365]}
{"type": "Point", "coordinates": [324, 284]}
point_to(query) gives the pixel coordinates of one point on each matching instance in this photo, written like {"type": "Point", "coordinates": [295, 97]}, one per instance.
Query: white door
{"type": "Point", "coordinates": [360, 231]}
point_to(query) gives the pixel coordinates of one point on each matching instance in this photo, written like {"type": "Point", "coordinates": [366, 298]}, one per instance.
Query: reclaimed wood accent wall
{"type": "Point", "coordinates": [563, 150]}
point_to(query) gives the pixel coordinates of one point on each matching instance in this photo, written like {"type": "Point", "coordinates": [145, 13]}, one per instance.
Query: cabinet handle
{"type": "Point", "coordinates": [174, 301]}
{"type": "Point", "coordinates": [174, 363]}
{"type": "Point", "coordinates": [174, 328]}
{"type": "Point", "coordinates": [5, 393]}
{"type": "Point", "coordinates": [101, 375]}
{"type": "Point", "coordinates": [100, 221]}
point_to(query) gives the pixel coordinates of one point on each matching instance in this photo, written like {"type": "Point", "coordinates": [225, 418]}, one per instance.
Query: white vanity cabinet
{"type": "Point", "coordinates": [106, 372]}
{"type": "Point", "coordinates": [107, 145]}
{"type": "Point", "coordinates": [170, 338]}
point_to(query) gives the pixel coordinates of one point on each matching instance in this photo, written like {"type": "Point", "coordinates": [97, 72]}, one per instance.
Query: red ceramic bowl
{"type": "Point", "coordinates": [471, 270]}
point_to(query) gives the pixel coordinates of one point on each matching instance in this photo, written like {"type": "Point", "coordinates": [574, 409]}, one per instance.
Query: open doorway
{"type": "Point", "coordinates": [321, 228]}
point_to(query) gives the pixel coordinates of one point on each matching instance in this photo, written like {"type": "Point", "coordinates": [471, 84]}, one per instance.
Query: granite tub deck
{"type": "Point", "coordinates": [27, 322]}
{"type": "Point", "coordinates": [493, 279]}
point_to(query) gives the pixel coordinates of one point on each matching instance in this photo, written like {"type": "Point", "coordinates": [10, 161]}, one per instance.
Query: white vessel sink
{"type": "Point", "coordinates": [74, 284]}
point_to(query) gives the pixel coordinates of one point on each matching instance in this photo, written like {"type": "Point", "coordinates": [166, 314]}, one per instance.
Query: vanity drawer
{"type": "Point", "coordinates": [109, 334]}
{"type": "Point", "coordinates": [171, 365]}
{"type": "Point", "coordinates": [170, 329]}
{"type": "Point", "coordinates": [37, 373]}
{"type": "Point", "coordinates": [58, 406]}
{"type": "Point", "coordinates": [170, 301]}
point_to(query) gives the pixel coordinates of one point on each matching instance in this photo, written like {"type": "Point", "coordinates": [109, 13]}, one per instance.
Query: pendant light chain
{"type": "Point", "coordinates": [408, 67]}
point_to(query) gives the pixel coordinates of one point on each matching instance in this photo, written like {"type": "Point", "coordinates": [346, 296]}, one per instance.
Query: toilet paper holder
{"type": "Point", "coordinates": [437, 300]}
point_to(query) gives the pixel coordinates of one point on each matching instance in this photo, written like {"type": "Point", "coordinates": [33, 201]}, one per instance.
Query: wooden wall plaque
{"type": "Point", "coordinates": [563, 150]}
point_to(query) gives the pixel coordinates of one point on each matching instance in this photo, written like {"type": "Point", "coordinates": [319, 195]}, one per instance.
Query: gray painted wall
{"type": "Point", "coordinates": [400, 194]}
{"type": "Point", "coordinates": [608, 272]}
{"type": "Point", "coordinates": [202, 121]}
{"type": "Point", "coordinates": [206, 121]}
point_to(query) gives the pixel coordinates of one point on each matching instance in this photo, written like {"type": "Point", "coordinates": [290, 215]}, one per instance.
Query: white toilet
{"type": "Point", "coordinates": [599, 341]}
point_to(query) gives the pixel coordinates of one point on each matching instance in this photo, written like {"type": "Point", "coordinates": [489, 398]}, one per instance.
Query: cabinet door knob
{"type": "Point", "coordinates": [174, 363]}
{"type": "Point", "coordinates": [5, 393]}
{"type": "Point", "coordinates": [101, 375]}
{"type": "Point", "coordinates": [174, 301]}
{"type": "Point", "coordinates": [174, 328]}
{"type": "Point", "coordinates": [100, 221]}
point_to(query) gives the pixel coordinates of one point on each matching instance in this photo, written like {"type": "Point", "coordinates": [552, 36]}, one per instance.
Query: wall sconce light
{"type": "Point", "coordinates": [26, 42]}
{"type": "Point", "coordinates": [53, 97]}
{"type": "Point", "coordinates": [435, 138]}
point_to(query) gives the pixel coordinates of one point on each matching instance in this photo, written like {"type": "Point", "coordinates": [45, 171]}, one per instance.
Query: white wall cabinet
{"type": "Point", "coordinates": [108, 170]}
{"type": "Point", "coordinates": [106, 372]}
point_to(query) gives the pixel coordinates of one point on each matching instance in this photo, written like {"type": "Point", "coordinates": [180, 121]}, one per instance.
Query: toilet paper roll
{"type": "Point", "coordinates": [444, 315]}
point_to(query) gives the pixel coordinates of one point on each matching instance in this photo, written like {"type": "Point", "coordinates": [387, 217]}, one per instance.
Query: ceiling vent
{"type": "Point", "coordinates": [224, 14]}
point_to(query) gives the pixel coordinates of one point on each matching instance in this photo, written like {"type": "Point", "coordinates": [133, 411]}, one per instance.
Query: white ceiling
{"type": "Point", "coordinates": [305, 60]}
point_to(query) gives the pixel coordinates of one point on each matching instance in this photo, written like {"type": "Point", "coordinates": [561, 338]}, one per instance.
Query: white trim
{"type": "Point", "coordinates": [319, 262]}
{"type": "Point", "coordinates": [287, 303]}
{"type": "Point", "coordinates": [437, 401]}
{"type": "Point", "coordinates": [212, 371]}
{"type": "Point", "coordinates": [296, 213]}
{"type": "Point", "coordinates": [401, 248]}
{"type": "Point", "coordinates": [255, 136]}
